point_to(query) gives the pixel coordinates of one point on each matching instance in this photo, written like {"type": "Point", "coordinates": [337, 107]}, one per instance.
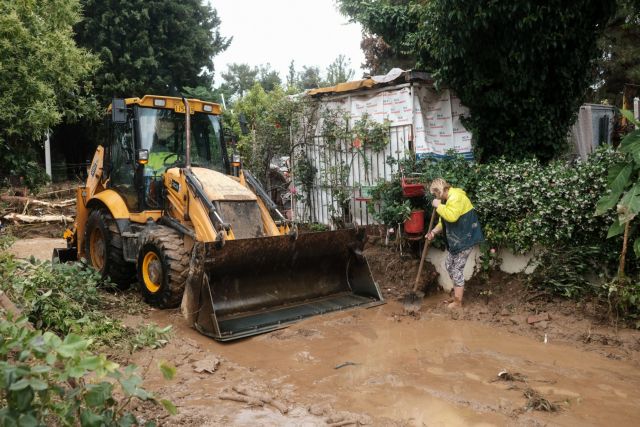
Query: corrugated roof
{"type": "Point", "coordinates": [394, 77]}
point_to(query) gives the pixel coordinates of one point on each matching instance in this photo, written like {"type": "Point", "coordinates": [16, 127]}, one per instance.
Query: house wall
{"type": "Point", "coordinates": [423, 123]}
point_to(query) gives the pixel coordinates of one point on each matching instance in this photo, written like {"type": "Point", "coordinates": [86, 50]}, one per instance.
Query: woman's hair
{"type": "Point", "coordinates": [438, 186]}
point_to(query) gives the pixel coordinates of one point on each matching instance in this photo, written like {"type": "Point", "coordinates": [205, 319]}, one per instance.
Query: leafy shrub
{"type": "Point", "coordinates": [567, 270]}
{"type": "Point", "coordinates": [44, 380]}
{"type": "Point", "coordinates": [388, 205]}
{"type": "Point", "coordinates": [65, 298]}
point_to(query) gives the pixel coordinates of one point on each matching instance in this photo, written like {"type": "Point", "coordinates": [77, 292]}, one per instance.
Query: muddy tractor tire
{"type": "Point", "coordinates": [163, 266]}
{"type": "Point", "coordinates": [103, 248]}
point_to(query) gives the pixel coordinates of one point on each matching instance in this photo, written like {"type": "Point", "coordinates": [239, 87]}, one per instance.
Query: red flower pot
{"type": "Point", "coordinates": [415, 223]}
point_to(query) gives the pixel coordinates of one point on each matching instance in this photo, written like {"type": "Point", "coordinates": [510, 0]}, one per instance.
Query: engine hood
{"type": "Point", "coordinates": [218, 186]}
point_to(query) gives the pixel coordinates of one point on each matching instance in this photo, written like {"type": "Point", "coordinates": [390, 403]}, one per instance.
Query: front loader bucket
{"type": "Point", "coordinates": [251, 286]}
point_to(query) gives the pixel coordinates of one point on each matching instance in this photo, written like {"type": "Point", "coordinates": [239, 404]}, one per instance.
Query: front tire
{"type": "Point", "coordinates": [163, 266]}
{"type": "Point", "coordinates": [103, 248]}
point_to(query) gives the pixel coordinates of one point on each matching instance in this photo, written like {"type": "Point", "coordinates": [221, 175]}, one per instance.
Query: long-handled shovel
{"type": "Point", "coordinates": [412, 300]}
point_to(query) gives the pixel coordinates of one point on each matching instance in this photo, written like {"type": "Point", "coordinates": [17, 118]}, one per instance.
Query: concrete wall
{"type": "Point", "coordinates": [511, 263]}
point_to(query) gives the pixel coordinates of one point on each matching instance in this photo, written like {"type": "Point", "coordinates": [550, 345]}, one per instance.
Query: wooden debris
{"type": "Point", "coordinates": [265, 398]}
{"type": "Point", "coordinates": [537, 402]}
{"type": "Point", "coordinates": [539, 318]}
{"type": "Point", "coordinates": [30, 219]}
{"type": "Point", "coordinates": [208, 365]}
{"type": "Point", "coordinates": [239, 398]}
{"type": "Point", "coordinates": [35, 202]}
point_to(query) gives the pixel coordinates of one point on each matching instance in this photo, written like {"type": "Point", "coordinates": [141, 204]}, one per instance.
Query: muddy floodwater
{"type": "Point", "coordinates": [395, 370]}
{"type": "Point", "coordinates": [379, 367]}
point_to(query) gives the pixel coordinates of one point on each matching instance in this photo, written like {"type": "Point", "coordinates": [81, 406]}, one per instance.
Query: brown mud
{"type": "Point", "coordinates": [484, 365]}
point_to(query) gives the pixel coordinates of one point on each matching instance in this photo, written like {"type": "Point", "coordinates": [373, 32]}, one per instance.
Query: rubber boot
{"type": "Point", "coordinates": [458, 292]}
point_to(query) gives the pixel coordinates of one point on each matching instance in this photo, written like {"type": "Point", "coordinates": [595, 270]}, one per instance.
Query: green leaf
{"type": "Point", "coordinates": [90, 363]}
{"type": "Point", "coordinates": [90, 419]}
{"type": "Point", "coordinates": [631, 143]}
{"type": "Point", "coordinates": [41, 369]}
{"type": "Point", "coordinates": [629, 205]}
{"type": "Point", "coordinates": [72, 345]}
{"type": "Point", "coordinates": [168, 371]}
{"type": "Point", "coordinates": [618, 178]}
{"type": "Point", "coordinates": [37, 384]}
{"type": "Point", "coordinates": [27, 420]}
{"type": "Point", "coordinates": [19, 385]}
{"type": "Point", "coordinates": [636, 248]}
{"type": "Point", "coordinates": [615, 229]}
{"type": "Point", "coordinates": [629, 116]}
{"type": "Point", "coordinates": [98, 394]}
{"type": "Point", "coordinates": [127, 420]}
{"type": "Point", "coordinates": [170, 407]}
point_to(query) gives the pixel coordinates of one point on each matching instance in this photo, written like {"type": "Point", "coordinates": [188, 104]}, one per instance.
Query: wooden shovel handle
{"type": "Point", "coordinates": [424, 251]}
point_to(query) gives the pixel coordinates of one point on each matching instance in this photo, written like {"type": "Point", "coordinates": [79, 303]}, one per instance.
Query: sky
{"type": "Point", "coordinates": [310, 32]}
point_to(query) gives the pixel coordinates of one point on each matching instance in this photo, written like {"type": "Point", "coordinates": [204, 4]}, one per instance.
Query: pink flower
{"type": "Point", "coordinates": [294, 190]}
{"type": "Point", "coordinates": [493, 250]}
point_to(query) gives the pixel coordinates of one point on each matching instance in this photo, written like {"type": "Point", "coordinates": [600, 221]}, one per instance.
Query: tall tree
{"type": "Point", "coordinates": [522, 67]}
{"type": "Point", "coordinates": [239, 78]}
{"type": "Point", "coordinates": [620, 46]}
{"type": "Point", "coordinates": [44, 76]}
{"type": "Point", "coordinates": [339, 71]}
{"type": "Point", "coordinates": [268, 77]}
{"type": "Point", "coordinates": [150, 46]}
{"type": "Point", "coordinates": [310, 77]}
{"type": "Point", "coordinates": [292, 78]}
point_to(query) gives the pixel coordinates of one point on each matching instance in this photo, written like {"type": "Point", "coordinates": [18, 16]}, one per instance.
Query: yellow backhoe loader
{"type": "Point", "coordinates": [163, 205]}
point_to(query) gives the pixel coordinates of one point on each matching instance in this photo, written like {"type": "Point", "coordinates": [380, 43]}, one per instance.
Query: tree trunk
{"type": "Point", "coordinates": [623, 254]}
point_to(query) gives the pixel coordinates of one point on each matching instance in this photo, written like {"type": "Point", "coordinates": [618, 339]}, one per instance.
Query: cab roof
{"type": "Point", "coordinates": [173, 103]}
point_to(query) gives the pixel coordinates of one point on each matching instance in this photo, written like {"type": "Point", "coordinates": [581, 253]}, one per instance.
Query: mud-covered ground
{"type": "Point", "coordinates": [381, 366]}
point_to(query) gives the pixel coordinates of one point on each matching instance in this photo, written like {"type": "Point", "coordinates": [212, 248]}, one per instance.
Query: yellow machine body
{"type": "Point", "coordinates": [204, 236]}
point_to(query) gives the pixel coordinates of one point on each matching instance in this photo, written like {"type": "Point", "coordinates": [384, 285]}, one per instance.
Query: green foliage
{"type": "Point", "coordinates": [523, 94]}
{"type": "Point", "coordinates": [150, 47]}
{"type": "Point", "coordinates": [272, 117]}
{"type": "Point", "coordinates": [47, 380]}
{"type": "Point", "coordinates": [339, 71]}
{"type": "Point", "coordinates": [620, 45]}
{"type": "Point", "coordinates": [65, 298]}
{"type": "Point", "coordinates": [44, 79]}
{"type": "Point", "coordinates": [388, 206]}
{"type": "Point", "coordinates": [151, 336]}
{"type": "Point", "coordinates": [568, 270]}
{"type": "Point", "coordinates": [371, 134]}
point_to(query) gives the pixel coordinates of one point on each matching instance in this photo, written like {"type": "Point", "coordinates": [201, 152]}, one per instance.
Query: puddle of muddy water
{"type": "Point", "coordinates": [431, 371]}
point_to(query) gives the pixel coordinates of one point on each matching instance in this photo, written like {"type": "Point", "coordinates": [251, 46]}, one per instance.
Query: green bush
{"type": "Point", "coordinates": [47, 380]}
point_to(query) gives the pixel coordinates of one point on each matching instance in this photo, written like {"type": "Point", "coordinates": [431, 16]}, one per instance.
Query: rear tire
{"type": "Point", "coordinates": [163, 266]}
{"type": "Point", "coordinates": [103, 248]}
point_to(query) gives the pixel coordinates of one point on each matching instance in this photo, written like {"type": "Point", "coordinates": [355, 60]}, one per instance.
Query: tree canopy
{"type": "Point", "coordinates": [44, 78]}
{"type": "Point", "coordinates": [522, 67]}
{"type": "Point", "coordinates": [151, 46]}
{"type": "Point", "coordinates": [42, 72]}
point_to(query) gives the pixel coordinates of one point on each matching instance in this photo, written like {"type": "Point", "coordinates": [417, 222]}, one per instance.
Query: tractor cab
{"type": "Point", "coordinates": [148, 136]}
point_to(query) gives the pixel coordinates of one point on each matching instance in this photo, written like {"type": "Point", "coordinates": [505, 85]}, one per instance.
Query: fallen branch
{"type": "Point", "coordinates": [36, 202]}
{"type": "Point", "coordinates": [262, 397]}
{"type": "Point", "coordinates": [7, 305]}
{"type": "Point", "coordinates": [239, 398]}
{"type": "Point", "coordinates": [42, 218]}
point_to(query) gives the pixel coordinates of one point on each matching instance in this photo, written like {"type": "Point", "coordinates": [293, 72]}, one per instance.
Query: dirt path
{"type": "Point", "coordinates": [40, 247]}
{"type": "Point", "coordinates": [382, 368]}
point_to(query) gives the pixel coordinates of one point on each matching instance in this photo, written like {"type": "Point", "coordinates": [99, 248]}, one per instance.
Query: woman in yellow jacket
{"type": "Point", "coordinates": [461, 228]}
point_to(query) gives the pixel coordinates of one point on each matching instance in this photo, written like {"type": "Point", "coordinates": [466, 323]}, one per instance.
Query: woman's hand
{"type": "Point", "coordinates": [435, 203]}
{"type": "Point", "coordinates": [430, 235]}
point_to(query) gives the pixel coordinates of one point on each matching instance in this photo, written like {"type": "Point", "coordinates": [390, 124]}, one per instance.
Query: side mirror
{"type": "Point", "coordinates": [118, 111]}
{"type": "Point", "coordinates": [142, 157]}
